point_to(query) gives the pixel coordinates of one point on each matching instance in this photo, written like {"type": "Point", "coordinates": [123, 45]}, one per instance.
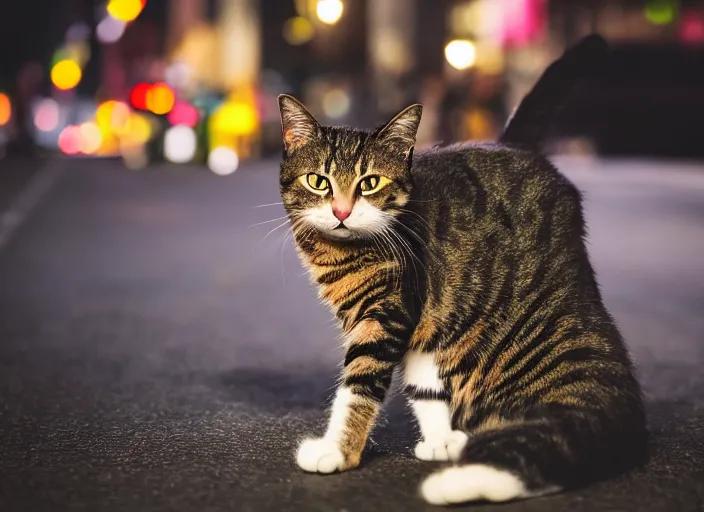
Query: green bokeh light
{"type": "Point", "coordinates": [661, 12]}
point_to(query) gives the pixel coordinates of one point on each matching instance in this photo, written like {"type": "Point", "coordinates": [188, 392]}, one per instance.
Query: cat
{"type": "Point", "coordinates": [465, 266]}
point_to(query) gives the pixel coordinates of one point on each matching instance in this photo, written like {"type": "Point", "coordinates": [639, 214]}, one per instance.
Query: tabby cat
{"type": "Point", "coordinates": [464, 266]}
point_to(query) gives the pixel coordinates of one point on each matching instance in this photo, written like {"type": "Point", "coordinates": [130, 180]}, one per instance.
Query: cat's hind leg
{"type": "Point", "coordinates": [430, 402]}
{"type": "Point", "coordinates": [543, 455]}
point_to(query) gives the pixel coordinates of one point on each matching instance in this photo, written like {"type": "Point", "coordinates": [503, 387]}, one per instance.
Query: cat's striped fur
{"type": "Point", "coordinates": [469, 270]}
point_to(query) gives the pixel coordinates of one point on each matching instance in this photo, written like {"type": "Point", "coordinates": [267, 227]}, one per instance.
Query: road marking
{"type": "Point", "coordinates": [28, 198]}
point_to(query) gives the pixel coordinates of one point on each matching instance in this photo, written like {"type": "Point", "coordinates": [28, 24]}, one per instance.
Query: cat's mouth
{"type": "Point", "coordinates": [341, 231]}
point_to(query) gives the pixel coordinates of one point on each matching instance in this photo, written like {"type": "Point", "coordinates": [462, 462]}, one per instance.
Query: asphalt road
{"type": "Point", "coordinates": [157, 353]}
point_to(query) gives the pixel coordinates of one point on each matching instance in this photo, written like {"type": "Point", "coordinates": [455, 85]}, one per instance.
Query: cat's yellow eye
{"type": "Point", "coordinates": [372, 184]}
{"type": "Point", "coordinates": [316, 183]}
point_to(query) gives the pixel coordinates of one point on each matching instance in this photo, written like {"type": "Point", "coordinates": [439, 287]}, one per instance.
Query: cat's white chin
{"type": "Point", "coordinates": [342, 233]}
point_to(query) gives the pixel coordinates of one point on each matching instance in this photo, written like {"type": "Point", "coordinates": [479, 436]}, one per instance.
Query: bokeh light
{"type": "Point", "coordinates": [180, 144]}
{"type": "Point", "coordinates": [110, 30]}
{"type": "Point", "coordinates": [336, 103]}
{"type": "Point", "coordinates": [692, 28]}
{"type": "Point", "coordinates": [234, 118]}
{"type": "Point", "coordinates": [329, 11]}
{"type": "Point", "coordinates": [138, 129]}
{"type": "Point", "coordinates": [183, 114]}
{"type": "Point", "coordinates": [70, 140]}
{"type": "Point", "coordinates": [46, 115]}
{"type": "Point", "coordinates": [160, 99]}
{"type": "Point", "coordinates": [125, 10]}
{"type": "Point", "coordinates": [661, 12]}
{"type": "Point", "coordinates": [138, 96]}
{"type": "Point", "coordinates": [223, 161]}
{"type": "Point", "coordinates": [5, 109]}
{"type": "Point", "coordinates": [112, 116]}
{"type": "Point", "coordinates": [460, 54]}
{"type": "Point", "coordinates": [91, 138]}
{"type": "Point", "coordinates": [298, 30]}
{"type": "Point", "coordinates": [66, 74]}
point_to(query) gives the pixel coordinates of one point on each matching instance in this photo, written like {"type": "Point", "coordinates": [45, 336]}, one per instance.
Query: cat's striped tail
{"type": "Point", "coordinates": [540, 456]}
{"type": "Point", "coordinates": [529, 123]}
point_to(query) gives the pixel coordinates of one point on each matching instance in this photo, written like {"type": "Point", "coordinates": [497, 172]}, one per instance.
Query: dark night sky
{"type": "Point", "coordinates": [26, 29]}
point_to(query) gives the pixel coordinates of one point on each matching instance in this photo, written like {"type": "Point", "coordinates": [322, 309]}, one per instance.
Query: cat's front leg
{"type": "Point", "coordinates": [430, 402]}
{"type": "Point", "coordinates": [372, 354]}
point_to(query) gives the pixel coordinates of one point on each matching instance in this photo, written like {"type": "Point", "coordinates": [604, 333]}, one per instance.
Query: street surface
{"type": "Point", "coordinates": [158, 353]}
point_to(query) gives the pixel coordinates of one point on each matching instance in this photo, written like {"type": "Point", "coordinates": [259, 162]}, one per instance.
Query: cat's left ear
{"type": "Point", "coordinates": [299, 127]}
{"type": "Point", "coordinates": [399, 134]}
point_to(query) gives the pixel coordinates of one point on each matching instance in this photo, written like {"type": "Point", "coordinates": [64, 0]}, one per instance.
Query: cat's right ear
{"type": "Point", "coordinates": [298, 126]}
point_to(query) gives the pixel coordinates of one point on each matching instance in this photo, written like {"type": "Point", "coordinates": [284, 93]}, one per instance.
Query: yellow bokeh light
{"type": "Point", "coordinates": [66, 74]}
{"type": "Point", "coordinates": [138, 129]}
{"type": "Point", "coordinates": [329, 11]}
{"type": "Point", "coordinates": [160, 99]}
{"type": "Point", "coordinates": [461, 54]}
{"type": "Point", "coordinates": [298, 31]}
{"type": "Point", "coordinates": [235, 118]}
{"type": "Point", "coordinates": [5, 109]}
{"type": "Point", "coordinates": [112, 116]}
{"type": "Point", "coordinates": [110, 145]}
{"type": "Point", "coordinates": [125, 10]}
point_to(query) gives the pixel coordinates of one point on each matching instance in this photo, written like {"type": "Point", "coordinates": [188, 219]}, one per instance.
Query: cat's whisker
{"type": "Point", "coordinates": [291, 233]}
{"type": "Point", "coordinates": [304, 233]}
{"type": "Point", "coordinates": [423, 200]}
{"type": "Point", "coordinates": [398, 255]}
{"type": "Point", "coordinates": [390, 273]}
{"type": "Point", "coordinates": [428, 251]}
{"type": "Point", "coordinates": [413, 254]}
{"type": "Point", "coordinates": [404, 244]}
{"type": "Point", "coordinates": [269, 204]}
{"type": "Point", "coordinates": [269, 221]}
{"type": "Point", "coordinates": [411, 212]}
{"type": "Point", "coordinates": [277, 227]}
{"type": "Point", "coordinates": [420, 240]}
{"type": "Point", "coordinates": [288, 234]}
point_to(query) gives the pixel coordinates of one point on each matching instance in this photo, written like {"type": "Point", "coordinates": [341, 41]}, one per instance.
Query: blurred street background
{"type": "Point", "coordinates": [195, 80]}
{"type": "Point", "coordinates": [160, 345]}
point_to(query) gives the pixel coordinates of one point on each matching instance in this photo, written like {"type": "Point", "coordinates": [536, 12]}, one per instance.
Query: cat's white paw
{"type": "Point", "coordinates": [473, 482]}
{"type": "Point", "coordinates": [440, 448]}
{"type": "Point", "coordinates": [320, 456]}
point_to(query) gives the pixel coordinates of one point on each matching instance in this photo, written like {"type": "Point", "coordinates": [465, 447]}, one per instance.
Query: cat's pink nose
{"type": "Point", "coordinates": [341, 214]}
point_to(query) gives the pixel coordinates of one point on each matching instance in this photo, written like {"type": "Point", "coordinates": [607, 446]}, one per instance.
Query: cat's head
{"type": "Point", "coordinates": [344, 183]}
